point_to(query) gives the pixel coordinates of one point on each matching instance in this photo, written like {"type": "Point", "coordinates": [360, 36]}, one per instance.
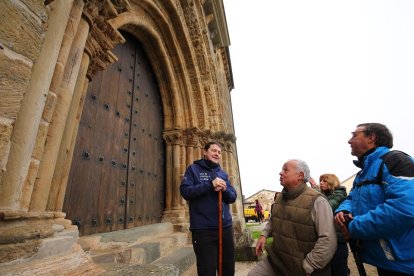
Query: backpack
{"type": "Point", "coordinates": [394, 158]}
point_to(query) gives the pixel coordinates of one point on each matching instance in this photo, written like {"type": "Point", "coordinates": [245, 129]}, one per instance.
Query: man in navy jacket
{"type": "Point", "coordinates": [380, 206]}
{"type": "Point", "coordinates": [200, 186]}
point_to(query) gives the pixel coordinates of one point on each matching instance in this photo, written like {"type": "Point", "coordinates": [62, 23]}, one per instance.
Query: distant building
{"type": "Point", "coordinates": [348, 183]}
{"type": "Point", "coordinates": [265, 198]}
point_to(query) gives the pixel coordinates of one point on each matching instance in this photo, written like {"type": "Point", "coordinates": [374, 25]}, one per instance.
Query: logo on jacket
{"type": "Point", "coordinates": [204, 176]}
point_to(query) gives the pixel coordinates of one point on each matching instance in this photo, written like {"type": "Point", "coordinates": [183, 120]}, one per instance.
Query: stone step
{"type": "Point", "coordinates": [72, 263]}
{"type": "Point", "coordinates": [173, 264]}
{"type": "Point", "coordinates": [182, 258]}
{"type": "Point", "coordinates": [137, 234]}
{"type": "Point", "coordinates": [138, 252]}
{"type": "Point", "coordinates": [148, 250]}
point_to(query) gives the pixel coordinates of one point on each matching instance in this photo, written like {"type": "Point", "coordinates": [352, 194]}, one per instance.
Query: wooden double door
{"type": "Point", "coordinates": [117, 176]}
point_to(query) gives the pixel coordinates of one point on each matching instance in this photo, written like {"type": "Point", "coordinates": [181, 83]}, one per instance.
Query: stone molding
{"type": "Point", "coordinates": [194, 137]}
{"type": "Point", "coordinates": [8, 215]}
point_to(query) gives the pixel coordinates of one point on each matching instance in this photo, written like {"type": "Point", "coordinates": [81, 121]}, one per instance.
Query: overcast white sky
{"type": "Point", "coordinates": [307, 72]}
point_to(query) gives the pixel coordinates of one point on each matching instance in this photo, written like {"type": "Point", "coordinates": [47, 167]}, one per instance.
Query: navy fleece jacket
{"type": "Point", "coordinates": [197, 188]}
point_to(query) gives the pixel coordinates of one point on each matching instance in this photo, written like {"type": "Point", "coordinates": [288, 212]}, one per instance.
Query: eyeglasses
{"type": "Point", "coordinates": [355, 133]}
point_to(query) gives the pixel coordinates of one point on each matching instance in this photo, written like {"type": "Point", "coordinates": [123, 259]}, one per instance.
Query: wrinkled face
{"type": "Point", "coordinates": [289, 176]}
{"type": "Point", "coordinates": [361, 143]}
{"type": "Point", "coordinates": [213, 153]}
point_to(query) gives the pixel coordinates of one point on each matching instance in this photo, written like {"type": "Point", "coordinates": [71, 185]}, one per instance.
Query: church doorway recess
{"type": "Point", "coordinates": [117, 176]}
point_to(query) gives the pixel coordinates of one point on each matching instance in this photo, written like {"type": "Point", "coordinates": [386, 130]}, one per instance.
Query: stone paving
{"type": "Point", "coordinates": [140, 270]}
{"type": "Point", "coordinates": [243, 268]}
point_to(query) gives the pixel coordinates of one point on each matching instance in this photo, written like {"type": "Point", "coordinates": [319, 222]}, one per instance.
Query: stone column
{"type": "Point", "coordinates": [175, 159]}
{"type": "Point", "coordinates": [168, 177]}
{"type": "Point", "coordinates": [189, 160]}
{"type": "Point", "coordinates": [47, 166]}
{"type": "Point", "coordinates": [176, 176]}
{"type": "Point", "coordinates": [225, 158]}
{"type": "Point", "coordinates": [189, 156]}
{"type": "Point", "coordinates": [233, 178]}
{"type": "Point", "coordinates": [198, 153]}
{"type": "Point", "coordinates": [230, 163]}
{"type": "Point", "coordinates": [28, 119]}
{"type": "Point", "coordinates": [182, 171]}
{"type": "Point", "coordinates": [64, 161]}
{"type": "Point", "coordinates": [173, 168]}
{"type": "Point", "coordinates": [71, 28]}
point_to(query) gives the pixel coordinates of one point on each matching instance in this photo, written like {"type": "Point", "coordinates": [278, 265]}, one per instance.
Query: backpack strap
{"type": "Point", "coordinates": [377, 180]}
{"type": "Point", "coordinates": [386, 157]}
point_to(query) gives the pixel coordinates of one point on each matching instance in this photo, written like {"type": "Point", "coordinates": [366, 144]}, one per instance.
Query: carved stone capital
{"type": "Point", "coordinates": [195, 137]}
{"type": "Point", "coordinates": [226, 139]}
{"type": "Point", "coordinates": [173, 137]}
{"type": "Point", "coordinates": [102, 36]}
{"type": "Point", "coordinates": [230, 137]}
{"type": "Point", "coordinates": [205, 136]}
{"type": "Point", "coordinates": [218, 135]}
{"type": "Point", "coordinates": [191, 137]}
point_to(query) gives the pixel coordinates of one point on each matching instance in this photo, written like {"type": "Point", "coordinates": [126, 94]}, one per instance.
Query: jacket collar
{"type": "Point", "coordinates": [207, 164]}
{"type": "Point", "coordinates": [287, 195]}
{"type": "Point", "coordinates": [369, 156]}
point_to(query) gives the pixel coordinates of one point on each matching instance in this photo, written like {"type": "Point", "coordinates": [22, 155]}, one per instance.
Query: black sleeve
{"type": "Point", "coordinates": [399, 164]}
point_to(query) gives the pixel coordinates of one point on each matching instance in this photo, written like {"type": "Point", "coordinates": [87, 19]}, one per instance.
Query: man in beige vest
{"type": "Point", "coordinates": [304, 238]}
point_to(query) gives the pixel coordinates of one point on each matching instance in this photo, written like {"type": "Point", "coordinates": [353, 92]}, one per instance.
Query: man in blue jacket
{"type": "Point", "coordinates": [380, 206]}
{"type": "Point", "coordinates": [200, 186]}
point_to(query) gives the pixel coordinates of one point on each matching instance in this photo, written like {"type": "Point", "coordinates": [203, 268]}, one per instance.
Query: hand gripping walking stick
{"type": "Point", "coordinates": [220, 234]}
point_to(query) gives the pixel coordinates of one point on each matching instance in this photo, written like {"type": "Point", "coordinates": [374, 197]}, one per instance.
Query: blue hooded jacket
{"type": "Point", "coordinates": [384, 213]}
{"type": "Point", "coordinates": [197, 188]}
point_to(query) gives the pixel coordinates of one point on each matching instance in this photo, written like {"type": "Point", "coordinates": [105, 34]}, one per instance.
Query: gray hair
{"type": "Point", "coordinates": [302, 166]}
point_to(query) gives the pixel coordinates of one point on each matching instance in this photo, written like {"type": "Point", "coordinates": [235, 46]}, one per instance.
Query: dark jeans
{"type": "Point", "coordinates": [382, 272]}
{"type": "Point", "coordinates": [339, 263]}
{"type": "Point", "coordinates": [205, 244]}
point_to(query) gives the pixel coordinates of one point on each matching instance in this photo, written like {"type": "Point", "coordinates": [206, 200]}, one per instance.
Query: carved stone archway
{"type": "Point", "coordinates": [187, 44]}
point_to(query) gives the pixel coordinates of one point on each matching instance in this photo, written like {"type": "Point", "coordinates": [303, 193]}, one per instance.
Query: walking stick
{"type": "Point", "coordinates": [220, 236]}
{"type": "Point", "coordinates": [353, 244]}
{"type": "Point", "coordinates": [354, 249]}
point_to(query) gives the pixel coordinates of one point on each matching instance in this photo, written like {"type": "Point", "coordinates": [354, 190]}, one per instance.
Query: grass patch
{"type": "Point", "coordinates": [256, 235]}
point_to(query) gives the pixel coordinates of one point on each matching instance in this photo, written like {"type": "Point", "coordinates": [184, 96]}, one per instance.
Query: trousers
{"type": "Point", "coordinates": [339, 263]}
{"type": "Point", "coordinates": [205, 245]}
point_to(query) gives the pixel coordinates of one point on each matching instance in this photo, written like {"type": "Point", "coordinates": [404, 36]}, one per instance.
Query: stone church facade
{"type": "Point", "coordinates": [103, 105]}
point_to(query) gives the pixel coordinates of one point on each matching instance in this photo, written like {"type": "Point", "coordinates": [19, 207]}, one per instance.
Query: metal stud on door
{"type": "Point", "coordinates": [107, 185]}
